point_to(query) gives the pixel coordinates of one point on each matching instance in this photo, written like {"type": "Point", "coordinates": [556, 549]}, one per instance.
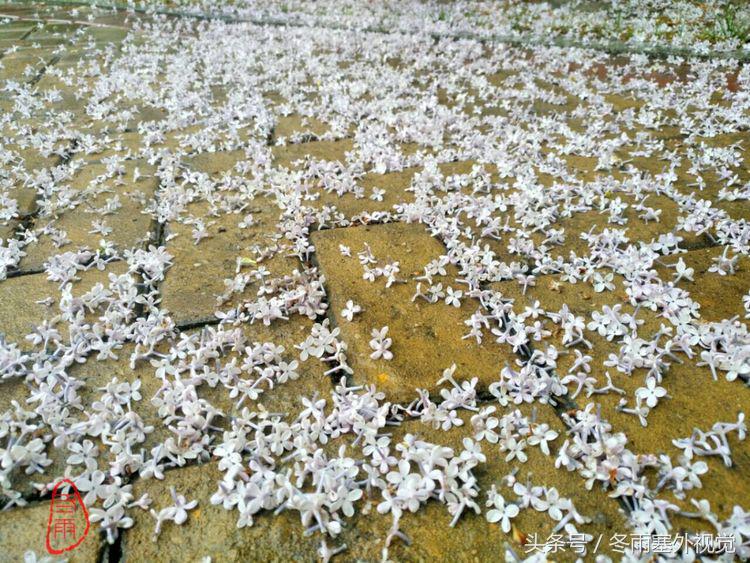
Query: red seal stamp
{"type": "Point", "coordinates": [68, 518]}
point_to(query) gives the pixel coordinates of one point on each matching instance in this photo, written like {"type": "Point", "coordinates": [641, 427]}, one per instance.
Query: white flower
{"type": "Point", "coordinates": [350, 310]}
{"type": "Point", "coordinates": [380, 343]}
{"type": "Point", "coordinates": [603, 283]}
{"type": "Point", "coordinates": [453, 297]}
{"type": "Point", "coordinates": [111, 520]}
{"type": "Point", "coordinates": [501, 512]}
{"type": "Point", "coordinates": [83, 453]}
{"type": "Point", "coordinates": [514, 447]}
{"type": "Point", "coordinates": [651, 393]}
{"type": "Point", "coordinates": [541, 434]}
{"type": "Point", "coordinates": [682, 271]}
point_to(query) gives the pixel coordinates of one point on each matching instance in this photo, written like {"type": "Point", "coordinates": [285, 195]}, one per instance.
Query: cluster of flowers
{"type": "Point", "coordinates": [511, 217]}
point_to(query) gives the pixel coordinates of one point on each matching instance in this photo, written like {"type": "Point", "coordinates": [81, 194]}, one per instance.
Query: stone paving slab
{"type": "Point", "coordinates": [25, 65]}
{"type": "Point", "coordinates": [287, 155]}
{"type": "Point", "coordinates": [379, 194]}
{"type": "Point", "coordinates": [296, 128]}
{"type": "Point", "coordinates": [605, 513]}
{"type": "Point", "coordinates": [428, 337]}
{"type": "Point", "coordinates": [692, 396]}
{"type": "Point", "coordinates": [52, 31]}
{"type": "Point", "coordinates": [636, 228]}
{"type": "Point", "coordinates": [8, 230]}
{"type": "Point", "coordinates": [210, 530]}
{"type": "Point", "coordinates": [112, 200]}
{"type": "Point", "coordinates": [106, 34]}
{"type": "Point", "coordinates": [62, 79]}
{"type": "Point", "coordinates": [719, 296]}
{"type": "Point", "coordinates": [284, 398]}
{"type": "Point", "coordinates": [14, 30]}
{"type": "Point", "coordinates": [216, 164]}
{"type": "Point", "coordinates": [20, 312]}
{"type": "Point", "coordinates": [128, 145]}
{"type": "Point", "coordinates": [192, 286]}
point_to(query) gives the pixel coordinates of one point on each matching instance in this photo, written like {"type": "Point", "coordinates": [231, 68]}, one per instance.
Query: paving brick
{"type": "Point", "coordinates": [26, 164]}
{"type": "Point", "coordinates": [636, 228]}
{"type": "Point", "coordinates": [128, 145]}
{"type": "Point", "coordinates": [216, 164]}
{"type": "Point", "coordinates": [210, 530]}
{"type": "Point", "coordinates": [19, 11]}
{"type": "Point", "coordinates": [25, 198]}
{"type": "Point", "coordinates": [429, 528]}
{"type": "Point", "coordinates": [14, 30]}
{"type": "Point", "coordinates": [8, 230]}
{"type": "Point", "coordinates": [24, 65]}
{"type": "Point", "coordinates": [714, 185]}
{"type": "Point", "coordinates": [693, 398]}
{"type": "Point", "coordinates": [426, 337]}
{"type": "Point", "coordinates": [687, 180]}
{"type": "Point", "coordinates": [106, 17]}
{"type": "Point", "coordinates": [394, 185]}
{"type": "Point", "coordinates": [284, 397]}
{"type": "Point", "coordinates": [49, 41]}
{"type": "Point", "coordinates": [295, 128]}
{"type": "Point", "coordinates": [71, 87]}
{"type": "Point", "coordinates": [12, 390]}
{"type": "Point", "coordinates": [53, 30]}
{"type": "Point", "coordinates": [105, 34]}
{"type": "Point", "coordinates": [196, 277]}
{"type": "Point", "coordinates": [131, 227]}
{"type": "Point", "coordinates": [20, 313]}
{"type": "Point", "coordinates": [581, 297]}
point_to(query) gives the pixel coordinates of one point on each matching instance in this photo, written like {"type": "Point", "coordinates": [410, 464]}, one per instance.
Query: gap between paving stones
{"type": "Point", "coordinates": [609, 47]}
